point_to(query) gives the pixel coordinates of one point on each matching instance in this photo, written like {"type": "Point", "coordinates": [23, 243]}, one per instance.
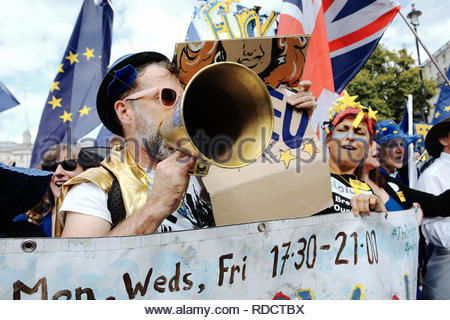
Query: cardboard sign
{"type": "Point", "coordinates": [279, 61]}
{"type": "Point", "coordinates": [335, 256]}
{"type": "Point", "coordinates": [290, 180]}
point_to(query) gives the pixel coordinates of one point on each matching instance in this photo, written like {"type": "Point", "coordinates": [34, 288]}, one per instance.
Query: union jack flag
{"type": "Point", "coordinates": [344, 34]}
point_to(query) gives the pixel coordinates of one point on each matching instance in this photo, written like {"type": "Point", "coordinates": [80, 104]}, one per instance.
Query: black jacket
{"type": "Point", "coordinates": [432, 206]}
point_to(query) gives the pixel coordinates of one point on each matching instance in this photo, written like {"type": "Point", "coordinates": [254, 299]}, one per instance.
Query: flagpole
{"type": "Point", "coordinates": [426, 50]}
{"type": "Point", "coordinates": [412, 171]}
{"type": "Point", "coordinates": [420, 157]}
{"type": "Point", "coordinates": [121, 25]}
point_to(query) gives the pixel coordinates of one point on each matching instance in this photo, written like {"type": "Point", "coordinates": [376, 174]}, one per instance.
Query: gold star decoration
{"type": "Point", "coordinates": [55, 102]}
{"type": "Point", "coordinates": [437, 114]}
{"type": "Point", "coordinates": [372, 113]}
{"type": "Point", "coordinates": [310, 148]}
{"type": "Point", "coordinates": [89, 53]}
{"type": "Point", "coordinates": [85, 111]}
{"type": "Point", "coordinates": [286, 157]}
{"type": "Point", "coordinates": [72, 57]}
{"type": "Point", "coordinates": [447, 109]}
{"type": "Point", "coordinates": [383, 129]}
{"type": "Point", "coordinates": [343, 103]}
{"type": "Point", "coordinates": [347, 100]}
{"type": "Point", "coordinates": [66, 116]}
{"type": "Point", "coordinates": [55, 86]}
{"type": "Point", "coordinates": [60, 69]}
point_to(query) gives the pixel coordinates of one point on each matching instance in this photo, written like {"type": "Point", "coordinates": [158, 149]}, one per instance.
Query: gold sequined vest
{"type": "Point", "coordinates": [131, 176]}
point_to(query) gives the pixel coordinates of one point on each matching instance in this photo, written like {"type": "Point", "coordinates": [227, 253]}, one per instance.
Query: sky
{"type": "Point", "coordinates": [35, 33]}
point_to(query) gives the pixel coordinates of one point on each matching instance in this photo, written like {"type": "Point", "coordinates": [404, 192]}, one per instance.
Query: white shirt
{"type": "Point", "coordinates": [88, 198]}
{"type": "Point", "coordinates": [436, 179]}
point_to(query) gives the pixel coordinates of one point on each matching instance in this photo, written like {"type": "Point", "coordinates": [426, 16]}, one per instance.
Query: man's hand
{"type": "Point", "coordinates": [304, 99]}
{"type": "Point", "coordinates": [363, 204]}
{"type": "Point", "coordinates": [170, 184]}
{"type": "Point", "coordinates": [419, 213]}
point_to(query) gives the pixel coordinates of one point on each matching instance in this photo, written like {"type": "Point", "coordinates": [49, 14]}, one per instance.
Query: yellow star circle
{"type": "Point", "coordinates": [72, 57]}
{"type": "Point", "coordinates": [89, 53]}
{"type": "Point", "coordinates": [85, 111]}
{"type": "Point", "coordinates": [55, 86]}
{"type": "Point", "coordinates": [66, 116]}
{"type": "Point", "coordinates": [55, 102]}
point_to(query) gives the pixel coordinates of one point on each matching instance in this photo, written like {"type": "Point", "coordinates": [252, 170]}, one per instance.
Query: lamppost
{"type": "Point", "coordinates": [413, 16]}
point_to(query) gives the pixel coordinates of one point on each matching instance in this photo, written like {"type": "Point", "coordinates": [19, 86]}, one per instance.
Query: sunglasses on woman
{"type": "Point", "coordinates": [67, 165]}
{"type": "Point", "coordinates": [167, 96]}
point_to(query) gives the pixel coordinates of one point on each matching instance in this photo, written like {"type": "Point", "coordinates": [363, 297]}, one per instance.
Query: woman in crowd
{"type": "Point", "coordinates": [393, 142]}
{"type": "Point", "coordinates": [398, 196]}
{"type": "Point", "coordinates": [62, 159]}
{"type": "Point", "coordinates": [380, 173]}
{"type": "Point", "coordinates": [349, 133]}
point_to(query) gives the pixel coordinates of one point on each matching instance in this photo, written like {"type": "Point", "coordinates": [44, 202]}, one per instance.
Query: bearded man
{"type": "Point", "coordinates": [157, 193]}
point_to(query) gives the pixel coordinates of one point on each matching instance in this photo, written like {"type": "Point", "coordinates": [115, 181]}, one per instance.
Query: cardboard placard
{"type": "Point", "coordinates": [279, 61]}
{"type": "Point", "coordinates": [290, 180]}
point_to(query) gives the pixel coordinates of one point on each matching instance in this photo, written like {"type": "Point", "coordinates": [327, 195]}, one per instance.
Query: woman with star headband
{"type": "Point", "coordinates": [350, 132]}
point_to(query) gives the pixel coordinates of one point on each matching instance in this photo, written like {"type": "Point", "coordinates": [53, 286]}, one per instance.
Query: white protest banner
{"type": "Point", "coordinates": [335, 256]}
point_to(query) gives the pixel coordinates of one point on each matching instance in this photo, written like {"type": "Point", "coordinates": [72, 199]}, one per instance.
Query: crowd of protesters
{"type": "Point", "coordinates": [122, 198]}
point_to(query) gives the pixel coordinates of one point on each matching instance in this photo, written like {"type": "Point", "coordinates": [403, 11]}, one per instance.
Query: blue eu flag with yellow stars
{"type": "Point", "coordinates": [442, 110]}
{"type": "Point", "coordinates": [70, 110]}
{"type": "Point", "coordinates": [7, 100]}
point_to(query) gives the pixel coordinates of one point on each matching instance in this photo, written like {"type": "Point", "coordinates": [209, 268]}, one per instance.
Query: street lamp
{"type": "Point", "coordinates": [413, 16]}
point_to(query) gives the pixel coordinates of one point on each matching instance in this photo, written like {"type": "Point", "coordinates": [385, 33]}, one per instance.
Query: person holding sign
{"type": "Point", "coordinates": [134, 98]}
{"type": "Point", "coordinates": [350, 131]}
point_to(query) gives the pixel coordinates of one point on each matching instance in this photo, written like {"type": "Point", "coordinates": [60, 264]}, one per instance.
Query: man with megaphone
{"type": "Point", "coordinates": [156, 191]}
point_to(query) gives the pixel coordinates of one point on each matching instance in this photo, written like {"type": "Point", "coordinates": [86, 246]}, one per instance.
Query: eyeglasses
{"type": "Point", "coordinates": [167, 96]}
{"type": "Point", "coordinates": [68, 165]}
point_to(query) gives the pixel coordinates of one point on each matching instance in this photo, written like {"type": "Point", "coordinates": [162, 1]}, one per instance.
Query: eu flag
{"type": "Point", "coordinates": [70, 109]}
{"type": "Point", "coordinates": [442, 109]}
{"type": "Point", "coordinates": [422, 129]}
{"type": "Point", "coordinates": [7, 100]}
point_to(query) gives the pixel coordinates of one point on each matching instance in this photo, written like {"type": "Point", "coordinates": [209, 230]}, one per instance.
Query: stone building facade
{"type": "Point", "coordinates": [20, 153]}
{"type": "Point", "coordinates": [442, 57]}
